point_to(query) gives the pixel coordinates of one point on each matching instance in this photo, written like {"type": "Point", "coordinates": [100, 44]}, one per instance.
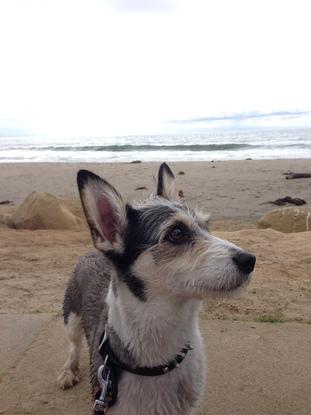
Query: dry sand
{"type": "Point", "coordinates": [254, 367]}
{"type": "Point", "coordinates": [228, 189]}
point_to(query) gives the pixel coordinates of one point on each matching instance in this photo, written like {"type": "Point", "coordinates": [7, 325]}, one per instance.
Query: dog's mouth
{"type": "Point", "coordinates": [226, 287]}
{"type": "Point", "coordinates": [242, 283]}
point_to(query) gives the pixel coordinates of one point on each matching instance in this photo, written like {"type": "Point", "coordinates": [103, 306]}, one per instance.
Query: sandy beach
{"type": "Point", "coordinates": [258, 343]}
{"type": "Point", "coordinates": [227, 189]}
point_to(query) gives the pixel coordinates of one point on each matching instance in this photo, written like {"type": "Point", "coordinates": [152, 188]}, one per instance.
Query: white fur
{"type": "Point", "coordinates": [206, 274]}
{"type": "Point", "coordinates": [171, 314]}
{"type": "Point", "coordinates": [69, 374]}
{"type": "Point", "coordinates": [143, 329]}
{"type": "Point", "coordinates": [203, 270]}
{"type": "Point", "coordinates": [154, 332]}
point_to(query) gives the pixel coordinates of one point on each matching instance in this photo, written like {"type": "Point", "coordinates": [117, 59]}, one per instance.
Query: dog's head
{"type": "Point", "coordinates": [161, 247]}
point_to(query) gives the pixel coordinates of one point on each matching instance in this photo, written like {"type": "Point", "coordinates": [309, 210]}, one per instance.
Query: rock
{"type": "Point", "coordinates": [288, 219]}
{"type": "Point", "coordinates": [44, 211]}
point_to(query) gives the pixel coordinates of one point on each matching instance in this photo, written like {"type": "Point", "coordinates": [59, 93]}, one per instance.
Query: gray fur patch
{"type": "Point", "coordinates": [114, 286]}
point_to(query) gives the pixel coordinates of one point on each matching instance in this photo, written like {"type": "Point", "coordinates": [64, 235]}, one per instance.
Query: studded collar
{"type": "Point", "coordinates": [105, 349]}
{"type": "Point", "coordinates": [115, 366]}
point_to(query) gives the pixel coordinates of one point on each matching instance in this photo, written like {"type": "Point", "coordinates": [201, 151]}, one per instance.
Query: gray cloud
{"type": "Point", "coordinates": [244, 116]}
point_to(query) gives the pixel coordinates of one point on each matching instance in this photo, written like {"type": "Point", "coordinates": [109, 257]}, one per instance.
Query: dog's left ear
{"type": "Point", "coordinates": [166, 183]}
{"type": "Point", "coordinates": [104, 210]}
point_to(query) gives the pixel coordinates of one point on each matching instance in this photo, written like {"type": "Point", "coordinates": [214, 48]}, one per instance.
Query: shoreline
{"type": "Point", "coordinates": [138, 161]}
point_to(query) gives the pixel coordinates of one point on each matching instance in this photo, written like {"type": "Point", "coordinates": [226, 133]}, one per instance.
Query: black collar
{"type": "Point", "coordinates": [105, 349]}
{"type": "Point", "coordinates": [116, 366]}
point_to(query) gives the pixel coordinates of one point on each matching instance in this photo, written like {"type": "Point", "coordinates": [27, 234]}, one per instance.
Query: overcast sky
{"type": "Point", "coordinates": [100, 67]}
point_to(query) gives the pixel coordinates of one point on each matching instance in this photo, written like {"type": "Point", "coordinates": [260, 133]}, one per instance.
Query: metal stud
{"type": "Point", "coordinates": [165, 369]}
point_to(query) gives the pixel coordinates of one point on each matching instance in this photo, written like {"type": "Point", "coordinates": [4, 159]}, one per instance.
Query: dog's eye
{"type": "Point", "coordinates": [177, 235]}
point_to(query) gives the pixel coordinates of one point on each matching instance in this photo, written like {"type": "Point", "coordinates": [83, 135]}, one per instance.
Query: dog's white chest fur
{"type": "Point", "coordinates": [173, 393]}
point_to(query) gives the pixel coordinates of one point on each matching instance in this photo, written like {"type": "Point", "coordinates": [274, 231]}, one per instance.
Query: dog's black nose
{"type": "Point", "coordinates": [245, 261]}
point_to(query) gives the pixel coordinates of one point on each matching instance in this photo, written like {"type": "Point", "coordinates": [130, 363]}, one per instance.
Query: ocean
{"type": "Point", "coordinates": [211, 145]}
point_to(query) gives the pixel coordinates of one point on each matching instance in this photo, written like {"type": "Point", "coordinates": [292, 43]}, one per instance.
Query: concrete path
{"type": "Point", "coordinates": [253, 368]}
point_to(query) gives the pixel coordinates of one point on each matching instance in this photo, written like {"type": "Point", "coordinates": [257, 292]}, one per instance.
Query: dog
{"type": "Point", "coordinates": [137, 298]}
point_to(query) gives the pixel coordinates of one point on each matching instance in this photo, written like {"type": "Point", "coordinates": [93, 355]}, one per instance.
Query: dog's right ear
{"type": "Point", "coordinates": [166, 183]}
{"type": "Point", "coordinates": [104, 210]}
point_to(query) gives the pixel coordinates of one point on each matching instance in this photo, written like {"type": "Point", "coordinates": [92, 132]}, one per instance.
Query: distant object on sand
{"type": "Point", "coordinates": [291, 175]}
{"type": "Point", "coordinates": [44, 211]}
{"type": "Point", "coordinates": [288, 219]}
{"type": "Point", "coordinates": [287, 199]}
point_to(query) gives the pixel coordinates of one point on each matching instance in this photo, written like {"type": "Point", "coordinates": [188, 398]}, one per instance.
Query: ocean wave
{"type": "Point", "coordinates": [146, 147]}
{"type": "Point", "coordinates": [236, 145]}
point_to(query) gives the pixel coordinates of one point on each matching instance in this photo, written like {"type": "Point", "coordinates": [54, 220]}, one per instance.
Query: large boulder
{"type": "Point", "coordinates": [44, 211]}
{"type": "Point", "coordinates": [287, 219]}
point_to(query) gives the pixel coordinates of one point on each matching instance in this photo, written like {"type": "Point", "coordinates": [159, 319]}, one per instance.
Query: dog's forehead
{"type": "Point", "coordinates": [159, 211]}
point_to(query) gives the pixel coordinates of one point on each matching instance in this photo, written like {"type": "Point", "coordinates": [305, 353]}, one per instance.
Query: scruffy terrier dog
{"type": "Point", "coordinates": [139, 297]}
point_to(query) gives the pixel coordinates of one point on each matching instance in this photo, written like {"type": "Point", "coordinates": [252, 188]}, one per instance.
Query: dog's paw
{"type": "Point", "coordinates": [67, 379]}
